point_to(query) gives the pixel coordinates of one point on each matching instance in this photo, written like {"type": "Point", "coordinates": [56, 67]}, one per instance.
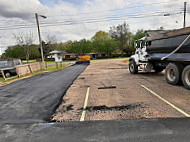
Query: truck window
{"type": "Point", "coordinates": [149, 43]}
{"type": "Point", "coordinates": [3, 64]}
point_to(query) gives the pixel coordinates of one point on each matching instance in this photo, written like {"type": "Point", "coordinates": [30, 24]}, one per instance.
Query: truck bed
{"type": "Point", "coordinates": [180, 57]}
{"type": "Point", "coordinates": [169, 41]}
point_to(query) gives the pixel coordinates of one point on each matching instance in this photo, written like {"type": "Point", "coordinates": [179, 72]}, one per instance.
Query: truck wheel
{"type": "Point", "coordinates": [158, 69]}
{"type": "Point", "coordinates": [173, 73]}
{"type": "Point", "coordinates": [7, 74]}
{"type": "Point", "coordinates": [186, 77]}
{"type": "Point", "coordinates": [133, 68]}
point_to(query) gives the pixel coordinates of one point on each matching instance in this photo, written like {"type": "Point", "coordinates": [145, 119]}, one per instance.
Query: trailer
{"type": "Point", "coordinates": [169, 50]}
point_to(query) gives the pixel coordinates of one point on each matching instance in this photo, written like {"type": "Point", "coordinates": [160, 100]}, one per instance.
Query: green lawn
{"type": "Point", "coordinates": [1, 79]}
{"type": "Point", "coordinates": [30, 61]}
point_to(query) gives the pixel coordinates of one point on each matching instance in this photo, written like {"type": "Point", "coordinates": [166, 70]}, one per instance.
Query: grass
{"type": "Point", "coordinates": [29, 61]}
{"type": "Point", "coordinates": [49, 68]}
{"type": "Point", "coordinates": [1, 79]}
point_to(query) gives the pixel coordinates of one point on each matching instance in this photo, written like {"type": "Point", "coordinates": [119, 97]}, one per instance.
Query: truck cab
{"type": "Point", "coordinates": [9, 63]}
{"type": "Point", "coordinates": [138, 61]}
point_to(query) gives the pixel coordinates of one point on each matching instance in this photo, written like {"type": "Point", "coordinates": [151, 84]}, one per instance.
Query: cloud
{"type": "Point", "coordinates": [74, 21]}
{"type": "Point", "coordinates": [20, 8]}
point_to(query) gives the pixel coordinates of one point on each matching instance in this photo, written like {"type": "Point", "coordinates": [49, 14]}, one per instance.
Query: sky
{"type": "Point", "coordinates": [77, 19]}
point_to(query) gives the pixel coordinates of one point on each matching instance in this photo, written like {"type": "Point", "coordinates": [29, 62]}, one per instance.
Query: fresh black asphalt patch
{"type": "Point", "coordinates": [116, 108]}
{"type": "Point", "coordinates": [35, 99]}
{"type": "Point", "coordinates": [149, 130]}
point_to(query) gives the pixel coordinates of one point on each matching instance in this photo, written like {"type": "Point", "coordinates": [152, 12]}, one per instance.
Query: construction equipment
{"type": "Point", "coordinates": [83, 59]}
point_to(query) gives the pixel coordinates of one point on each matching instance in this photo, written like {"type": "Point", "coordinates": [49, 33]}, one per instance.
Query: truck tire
{"type": "Point", "coordinates": [158, 69]}
{"type": "Point", "coordinates": [133, 68]}
{"type": "Point", "coordinates": [7, 74]}
{"type": "Point", "coordinates": [173, 73]}
{"type": "Point", "coordinates": [186, 77]}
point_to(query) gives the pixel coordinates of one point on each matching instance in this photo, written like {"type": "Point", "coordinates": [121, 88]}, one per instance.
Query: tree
{"type": "Point", "coordinates": [63, 46]}
{"type": "Point", "coordinates": [47, 48]}
{"type": "Point", "coordinates": [25, 40]}
{"type": "Point", "coordinates": [14, 52]}
{"type": "Point", "coordinates": [102, 43]}
{"type": "Point", "coordinates": [100, 35]}
{"type": "Point", "coordinates": [105, 46]}
{"type": "Point", "coordinates": [138, 35]}
{"type": "Point", "coordinates": [122, 34]}
{"type": "Point", "coordinates": [17, 52]}
{"type": "Point", "coordinates": [80, 47]}
{"type": "Point", "coordinates": [51, 39]}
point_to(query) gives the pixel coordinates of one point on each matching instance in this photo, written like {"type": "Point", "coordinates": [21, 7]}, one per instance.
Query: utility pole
{"type": "Point", "coordinates": [40, 40]}
{"type": "Point", "coordinates": [185, 10]}
{"type": "Point", "coordinates": [1, 49]}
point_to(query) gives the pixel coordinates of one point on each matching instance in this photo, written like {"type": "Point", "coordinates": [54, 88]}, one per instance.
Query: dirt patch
{"type": "Point", "coordinates": [125, 61]}
{"type": "Point", "coordinates": [110, 104]}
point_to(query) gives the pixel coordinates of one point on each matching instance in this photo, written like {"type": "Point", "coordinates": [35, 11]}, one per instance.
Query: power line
{"type": "Point", "coordinates": [137, 6]}
{"type": "Point", "coordinates": [75, 23]}
{"type": "Point", "coordinates": [130, 14]}
{"type": "Point", "coordinates": [70, 22]}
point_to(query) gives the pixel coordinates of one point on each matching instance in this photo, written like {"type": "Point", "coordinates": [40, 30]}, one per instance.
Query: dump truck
{"type": "Point", "coordinates": [159, 50]}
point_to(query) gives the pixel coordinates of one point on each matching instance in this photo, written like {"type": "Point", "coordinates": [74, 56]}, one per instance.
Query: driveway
{"type": "Point", "coordinates": [35, 99]}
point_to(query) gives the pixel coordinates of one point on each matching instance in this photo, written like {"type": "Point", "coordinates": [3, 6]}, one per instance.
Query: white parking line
{"type": "Point", "coordinates": [173, 106]}
{"type": "Point", "coordinates": [85, 105]}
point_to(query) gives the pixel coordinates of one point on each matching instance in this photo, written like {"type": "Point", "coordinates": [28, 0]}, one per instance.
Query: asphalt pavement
{"type": "Point", "coordinates": [35, 99]}
{"type": "Point", "coordinates": [27, 105]}
{"type": "Point", "coordinates": [147, 130]}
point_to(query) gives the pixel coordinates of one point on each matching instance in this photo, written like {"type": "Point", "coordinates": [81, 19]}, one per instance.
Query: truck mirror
{"type": "Point", "coordinates": [135, 44]}
{"type": "Point", "coordinates": [141, 42]}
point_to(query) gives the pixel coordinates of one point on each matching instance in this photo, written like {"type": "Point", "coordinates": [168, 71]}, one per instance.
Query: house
{"type": "Point", "coordinates": [69, 56]}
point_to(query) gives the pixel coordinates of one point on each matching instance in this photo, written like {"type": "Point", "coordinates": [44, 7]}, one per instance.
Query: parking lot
{"type": "Point", "coordinates": [40, 108]}
{"type": "Point", "coordinates": [107, 91]}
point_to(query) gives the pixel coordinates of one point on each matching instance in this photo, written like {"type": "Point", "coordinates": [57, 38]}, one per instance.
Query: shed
{"type": "Point", "coordinates": [58, 55]}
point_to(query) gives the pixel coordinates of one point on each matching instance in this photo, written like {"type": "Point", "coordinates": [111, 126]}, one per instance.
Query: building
{"type": "Point", "coordinates": [62, 54]}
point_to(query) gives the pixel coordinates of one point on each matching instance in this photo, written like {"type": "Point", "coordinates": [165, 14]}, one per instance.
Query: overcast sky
{"type": "Point", "coordinates": [77, 19]}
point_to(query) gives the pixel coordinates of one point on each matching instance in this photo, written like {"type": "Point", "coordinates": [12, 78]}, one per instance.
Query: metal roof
{"type": "Point", "coordinates": [57, 52]}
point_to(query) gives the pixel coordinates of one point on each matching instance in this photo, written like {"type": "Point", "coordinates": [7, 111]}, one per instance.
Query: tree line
{"type": "Point", "coordinates": [119, 39]}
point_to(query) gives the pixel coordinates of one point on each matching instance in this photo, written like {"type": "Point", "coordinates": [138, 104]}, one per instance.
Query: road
{"type": "Point", "coordinates": [133, 98]}
{"type": "Point", "coordinates": [154, 130]}
{"type": "Point", "coordinates": [35, 99]}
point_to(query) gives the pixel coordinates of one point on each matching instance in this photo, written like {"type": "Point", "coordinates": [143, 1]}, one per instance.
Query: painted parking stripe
{"type": "Point", "coordinates": [85, 105]}
{"type": "Point", "coordinates": [172, 105]}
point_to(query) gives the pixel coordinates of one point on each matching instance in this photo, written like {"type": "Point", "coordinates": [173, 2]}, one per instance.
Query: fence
{"type": "Point", "coordinates": [22, 70]}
